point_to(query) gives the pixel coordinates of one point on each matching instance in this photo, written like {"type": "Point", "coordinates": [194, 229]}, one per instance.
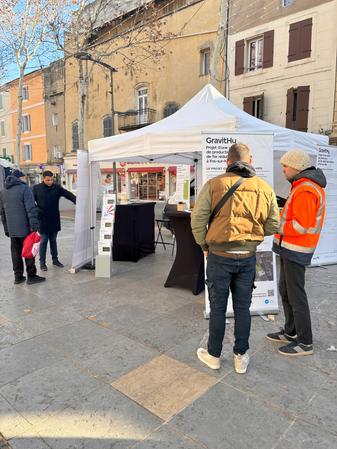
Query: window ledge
{"type": "Point", "coordinates": [256, 72]}
{"type": "Point", "coordinates": [299, 62]}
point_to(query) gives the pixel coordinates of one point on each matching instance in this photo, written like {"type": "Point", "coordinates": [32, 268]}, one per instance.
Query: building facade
{"type": "Point", "coordinates": [282, 61]}
{"type": "Point", "coordinates": [33, 151]}
{"type": "Point", "coordinates": [54, 86]}
{"type": "Point", "coordinates": [6, 125]}
{"type": "Point", "coordinates": [146, 95]}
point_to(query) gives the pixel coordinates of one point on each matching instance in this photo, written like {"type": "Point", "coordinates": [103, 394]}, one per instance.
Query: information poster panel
{"type": "Point", "coordinates": [215, 152]}
{"type": "Point", "coordinates": [183, 184]}
{"type": "Point", "coordinates": [326, 251]}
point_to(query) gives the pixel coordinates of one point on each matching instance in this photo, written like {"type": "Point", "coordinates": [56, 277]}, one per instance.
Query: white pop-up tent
{"type": "Point", "coordinates": [180, 133]}
{"type": "Point", "coordinates": [177, 139]}
{"type": "Point", "coordinates": [170, 139]}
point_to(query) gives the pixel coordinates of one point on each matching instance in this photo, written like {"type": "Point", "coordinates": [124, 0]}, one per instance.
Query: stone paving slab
{"type": "Point", "coordinates": [63, 343]}
{"type": "Point", "coordinates": [304, 436]}
{"type": "Point", "coordinates": [104, 419]}
{"type": "Point", "coordinates": [164, 386]}
{"type": "Point", "coordinates": [48, 391]}
{"type": "Point", "coordinates": [226, 418]}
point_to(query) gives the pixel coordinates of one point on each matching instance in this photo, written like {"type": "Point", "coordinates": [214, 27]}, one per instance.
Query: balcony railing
{"type": "Point", "coordinates": [129, 120]}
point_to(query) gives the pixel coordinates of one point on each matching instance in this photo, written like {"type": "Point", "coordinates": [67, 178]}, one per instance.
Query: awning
{"type": "Point", "coordinates": [145, 169]}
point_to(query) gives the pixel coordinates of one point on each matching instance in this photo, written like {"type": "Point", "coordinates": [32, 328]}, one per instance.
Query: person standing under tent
{"type": "Point", "coordinates": [229, 242]}
{"type": "Point", "coordinates": [302, 219]}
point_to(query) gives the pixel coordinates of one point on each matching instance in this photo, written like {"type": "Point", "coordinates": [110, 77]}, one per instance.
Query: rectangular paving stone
{"type": "Point", "coordinates": [278, 379]}
{"type": "Point", "coordinates": [37, 323]}
{"type": "Point", "coordinates": [167, 438]}
{"type": "Point", "coordinates": [164, 386]}
{"type": "Point", "coordinates": [27, 356]}
{"type": "Point", "coordinates": [48, 391]}
{"type": "Point", "coordinates": [225, 418]}
{"type": "Point", "coordinates": [322, 409]}
{"type": "Point", "coordinates": [304, 436]}
{"type": "Point", "coordinates": [114, 357]}
{"type": "Point", "coordinates": [104, 419]}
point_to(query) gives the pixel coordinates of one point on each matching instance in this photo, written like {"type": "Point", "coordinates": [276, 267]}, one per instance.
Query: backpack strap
{"type": "Point", "coordinates": [224, 199]}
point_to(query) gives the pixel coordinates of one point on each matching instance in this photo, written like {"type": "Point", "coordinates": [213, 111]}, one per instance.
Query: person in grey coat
{"type": "Point", "coordinates": [19, 218]}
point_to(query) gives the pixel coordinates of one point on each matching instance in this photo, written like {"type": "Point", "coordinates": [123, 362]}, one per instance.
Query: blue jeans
{"type": "Point", "coordinates": [238, 275]}
{"type": "Point", "coordinates": [43, 246]}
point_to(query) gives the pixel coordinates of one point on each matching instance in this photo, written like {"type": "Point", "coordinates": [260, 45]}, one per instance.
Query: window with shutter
{"type": "Point", "coordinates": [268, 49]}
{"type": "Point", "coordinates": [300, 40]}
{"type": "Point", "coordinates": [1, 102]}
{"type": "Point", "coordinates": [205, 61]}
{"type": "Point", "coordinates": [27, 152]}
{"type": "Point", "coordinates": [302, 107]}
{"type": "Point", "coordinates": [26, 123]}
{"type": "Point", "coordinates": [298, 108]}
{"type": "Point", "coordinates": [239, 57]}
{"type": "Point", "coordinates": [254, 106]}
{"type": "Point", "coordinates": [2, 128]}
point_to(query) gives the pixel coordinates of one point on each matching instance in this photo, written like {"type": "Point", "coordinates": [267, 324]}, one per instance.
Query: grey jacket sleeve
{"type": "Point", "coordinates": [3, 215]}
{"type": "Point", "coordinates": [200, 217]}
{"type": "Point", "coordinates": [31, 209]}
{"type": "Point", "coordinates": [273, 221]}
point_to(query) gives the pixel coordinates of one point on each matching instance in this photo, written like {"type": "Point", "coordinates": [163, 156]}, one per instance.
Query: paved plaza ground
{"type": "Point", "coordinates": [91, 363]}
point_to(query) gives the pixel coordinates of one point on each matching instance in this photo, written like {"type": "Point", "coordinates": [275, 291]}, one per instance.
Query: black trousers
{"type": "Point", "coordinates": [295, 301]}
{"type": "Point", "coordinates": [17, 260]}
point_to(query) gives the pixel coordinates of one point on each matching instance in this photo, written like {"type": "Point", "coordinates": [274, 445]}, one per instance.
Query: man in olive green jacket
{"type": "Point", "coordinates": [230, 243]}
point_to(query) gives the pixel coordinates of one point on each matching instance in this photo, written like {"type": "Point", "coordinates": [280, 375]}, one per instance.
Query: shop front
{"type": "Point", "coordinates": [147, 183]}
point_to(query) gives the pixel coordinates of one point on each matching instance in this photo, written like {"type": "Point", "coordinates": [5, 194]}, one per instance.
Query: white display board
{"type": "Point", "coordinates": [215, 151]}
{"type": "Point", "coordinates": [183, 181]}
{"type": "Point", "coordinates": [326, 251]}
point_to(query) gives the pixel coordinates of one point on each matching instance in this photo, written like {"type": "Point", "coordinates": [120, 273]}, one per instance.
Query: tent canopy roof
{"type": "Point", "coordinates": [178, 138]}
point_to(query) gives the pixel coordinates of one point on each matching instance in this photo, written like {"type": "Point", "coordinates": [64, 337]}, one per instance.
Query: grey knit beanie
{"type": "Point", "coordinates": [298, 159]}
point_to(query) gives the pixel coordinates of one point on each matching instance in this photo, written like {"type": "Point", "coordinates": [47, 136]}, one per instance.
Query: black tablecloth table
{"type": "Point", "coordinates": [133, 231]}
{"type": "Point", "coordinates": [188, 268]}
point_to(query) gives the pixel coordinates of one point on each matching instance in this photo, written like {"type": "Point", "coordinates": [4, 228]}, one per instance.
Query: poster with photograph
{"type": "Point", "coordinates": [215, 152]}
{"type": "Point", "coordinates": [326, 251]}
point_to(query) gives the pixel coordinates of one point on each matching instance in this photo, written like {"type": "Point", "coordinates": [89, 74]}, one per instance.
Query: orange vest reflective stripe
{"type": "Point", "coordinates": [302, 240]}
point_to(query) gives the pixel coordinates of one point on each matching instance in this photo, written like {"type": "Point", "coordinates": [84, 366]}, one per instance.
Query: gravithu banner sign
{"type": "Point", "coordinates": [215, 151]}
{"type": "Point", "coordinates": [326, 251]}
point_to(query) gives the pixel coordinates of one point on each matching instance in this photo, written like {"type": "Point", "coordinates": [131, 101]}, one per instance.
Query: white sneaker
{"type": "Point", "coordinates": [209, 360]}
{"type": "Point", "coordinates": [241, 363]}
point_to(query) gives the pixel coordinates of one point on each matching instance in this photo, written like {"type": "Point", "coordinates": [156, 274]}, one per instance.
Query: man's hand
{"type": "Point", "coordinates": [206, 253]}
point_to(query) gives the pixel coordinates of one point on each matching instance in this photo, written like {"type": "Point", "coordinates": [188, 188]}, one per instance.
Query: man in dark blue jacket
{"type": "Point", "coordinates": [47, 195]}
{"type": "Point", "coordinates": [19, 218]}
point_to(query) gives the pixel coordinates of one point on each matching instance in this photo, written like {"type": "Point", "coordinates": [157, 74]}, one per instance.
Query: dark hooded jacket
{"type": "Point", "coordinates": [17, 208]}
{"type": "Point", "coordinates": [47, 200]}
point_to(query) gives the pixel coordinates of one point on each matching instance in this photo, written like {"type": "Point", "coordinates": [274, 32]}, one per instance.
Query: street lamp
{"type": "Point", "coordinates": [84, 56]}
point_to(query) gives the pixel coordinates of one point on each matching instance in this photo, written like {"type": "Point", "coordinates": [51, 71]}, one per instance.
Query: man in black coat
{"type": "Point", "coordinates": [19, 218]}
{"type": "Point", "coordinates": [47, 195]}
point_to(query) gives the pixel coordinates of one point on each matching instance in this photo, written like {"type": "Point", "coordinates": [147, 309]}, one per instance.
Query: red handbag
{"type": "Point", "coordinates": [31, 245]}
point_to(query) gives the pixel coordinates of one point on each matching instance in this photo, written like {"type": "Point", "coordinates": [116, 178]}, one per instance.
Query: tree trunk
{"type": "Point", "coordinates": [19, 119]}
{"type": "Point", "coordinates": [83, 90]}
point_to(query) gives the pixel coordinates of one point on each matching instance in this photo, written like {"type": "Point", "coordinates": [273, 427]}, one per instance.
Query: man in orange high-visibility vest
{"type": "Point", "coordinates": [301, 223]}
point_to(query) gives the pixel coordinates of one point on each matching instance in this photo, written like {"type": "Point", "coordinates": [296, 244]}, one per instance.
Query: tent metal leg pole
{"type": "Point", "coordinates": [114, 177]}
{"type": "Point", "coordinates": [195, 179]}
{"type": "Point", "coordinates": [92, 217]}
